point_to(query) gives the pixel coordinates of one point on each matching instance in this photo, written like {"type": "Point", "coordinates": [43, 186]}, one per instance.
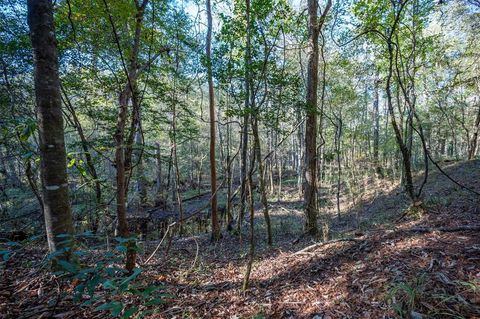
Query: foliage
{"type": "Point", "coordinates": [122, 294]}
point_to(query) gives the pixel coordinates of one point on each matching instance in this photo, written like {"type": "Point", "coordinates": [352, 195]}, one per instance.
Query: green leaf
{"type": "Point", "coordinates": [127, 280]}
{"type": "Point", "coordinates": [68, 266]}
{"type": "Point", "coordinates": [154, 302]}
{"type": "Point", "coordinates": [5, 254]}
{"type": "Point", "coordinates": [121, 248]}
{"type": "Point", "coordinates": [115, 307]}
{"type": "Point", "coordinates": [109, 284]}
{"type": "Point", "coordinates": [71, 163]}
{"type": "Point", "coordinates": [129, 312]}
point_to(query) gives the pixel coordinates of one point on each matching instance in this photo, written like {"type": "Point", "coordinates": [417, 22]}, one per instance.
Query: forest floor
{"type": "Point", "coordinates": [386, 259]}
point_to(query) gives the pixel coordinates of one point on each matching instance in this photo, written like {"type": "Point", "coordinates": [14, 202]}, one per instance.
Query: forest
{"type": "Point", "coordinates": [239, 159]}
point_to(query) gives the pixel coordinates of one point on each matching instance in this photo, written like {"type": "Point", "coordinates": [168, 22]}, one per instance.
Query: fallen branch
{"type": "Point", "coordinates": [196, 196]}
{"type": "Point", "coordinates": [196, 256]}
{"type": "Point", "coordinates": [316, 245]}
{"type": "Point", "coordinates": [158, 246]}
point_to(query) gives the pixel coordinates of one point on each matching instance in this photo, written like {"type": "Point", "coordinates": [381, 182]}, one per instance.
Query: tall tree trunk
{"type": "Point", "coordinates": [159, 171]}
{"type": "Point", "coordinates": [261, 177]}
{"type": "Point", "coordinates": [141, 187]}
{"type": "Point", "coordinates": [88, 160]}
{"type": "Point", "coordinates": [211, 99]}
{"type": "Point", "coordinates": [244, 150]}
{"type": "Point", "coordinates": [338, 144]}
{"type": "Point", "coordinates": [376, 126]}
{"type": "Point", "coordinates": [398, 134]}
{"type": "Point", "coordinates": [251, 241]}
{"type": "Point", "coordinates": [123, 153]}
{"type": "Point", "coordinates": [472, 149]}
{"type": "Point", "coordinates": [298, 153]}
{"type": "Point", "coordinates": [176, 168]}
{"type": "Point", "coordinates": [229, 181]}
{"type": "Point", "coordinates": [121, 191]}
{"type": "Point", "coordinates": [53, 167]}
{"type": "Point", "coordinates": [251, 206]}
{"type": "Point", "coordinates": [314, 27]}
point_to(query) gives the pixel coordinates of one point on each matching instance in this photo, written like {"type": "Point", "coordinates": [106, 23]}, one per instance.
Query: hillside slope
{"type": "Point", "coordinates": [412, 263]}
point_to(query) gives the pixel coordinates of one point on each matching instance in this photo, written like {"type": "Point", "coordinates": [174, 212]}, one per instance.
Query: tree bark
{"type": "Point", "coordinates": [376, 126]}
{"type": "Point", "coordinates": [159, 171]}
{"type": "Point", "coordinates": [123, 152]}
{"type": "Point", "coordinates": [314, 27]}
{"type": "Point", "coordinates": [261, 177]}
{"type": "Point", "coordinates": [472, 150]}
{"type": "Point", "coordinates": [141, 187]}
{"type": "Point", "coordinates": [53, 167]}
{"type": "Point", "coordinates": [211, 103]}
{"type": "Point", "coordinates": [244, 150]}
{"type": "Point", "coordinates": [406, 156]}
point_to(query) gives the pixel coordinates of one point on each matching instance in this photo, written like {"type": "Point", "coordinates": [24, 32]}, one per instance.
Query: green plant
{"type": "Point", "coordinates": [105, 278]}
{"type": "Point", "coordinates": [6, 250]}
{"type": "Point", "coordinates": [405, 296]}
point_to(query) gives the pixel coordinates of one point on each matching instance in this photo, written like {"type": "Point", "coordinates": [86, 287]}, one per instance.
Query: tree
{"type": "Point", "coordinates": [53, 168]}
{"type": "Point", "coordinates": [123, 147]}
{"type": "Point", "coordinates": [211, 106]}
{"type": "Point", "coordinates": [315, 25]}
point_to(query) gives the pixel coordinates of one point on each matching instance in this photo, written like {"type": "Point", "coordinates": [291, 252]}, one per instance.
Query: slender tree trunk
{"type": "Point", "coordinates": [123, 153]}
{"type": "Point", "coordinates": [299, 153]}
{"type": "Point", "coordinates": [338, 142]}
{"type": "Point", "coordinates": [398, 134]}
{"type": "Point", "coordinates": [229, 182]}
{"type": "Point", "coordinates": [88, 160]}
{"type": "Point", "coordinates": [261, 178]}
{"type": "Point", "coordinates": [244, 150]}
{"type": "Point", "coordinates": [121, 191]}
{"type": "Point", "coordinates": [211, 99]}
{"type": "Point", "coordinates": [314, 27]}
{"type": "Point", "coordinates": [141, 187]}
{"type": "Point", "coordinates": [53, 167]}
{"type": "Point", "coordinates": [159, 171]}
{"type": "Point", "coordinates": [376, 126]}
{"type": "Point", "coordinates": [176, 167]}
{"type": "Point", "coordinates": [169, 175]}
{"type": "Point", "coordinates": [472, 150]}
{"type": "Point", "coordinates": [251, 205]}
{"type": "Point", "coordinates": [280, 169]}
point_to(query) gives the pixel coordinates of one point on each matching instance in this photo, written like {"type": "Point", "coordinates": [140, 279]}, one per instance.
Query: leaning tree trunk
{"type": "Point", "coordinates": [53, 167]}
{"type": "Point", "coordinates": [314, 27]}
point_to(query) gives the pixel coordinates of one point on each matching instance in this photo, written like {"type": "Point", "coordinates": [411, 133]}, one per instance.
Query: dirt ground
{"type": "Point", "coordinates": [384, 259]}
